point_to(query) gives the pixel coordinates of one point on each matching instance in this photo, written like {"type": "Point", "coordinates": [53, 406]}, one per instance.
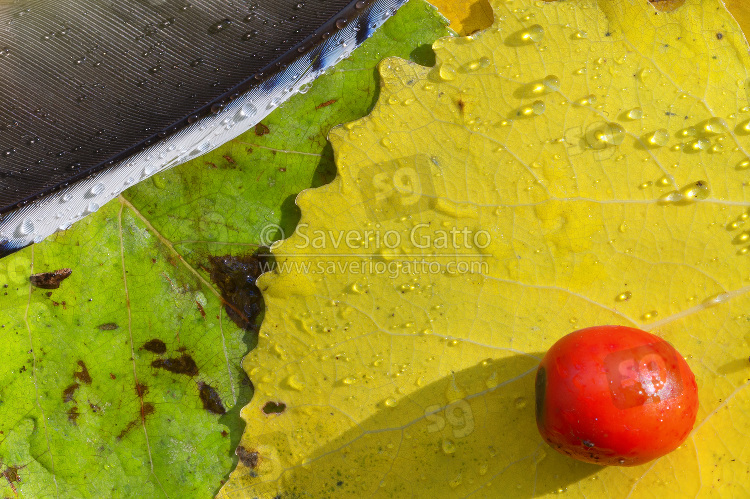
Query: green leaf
{"type": "Point", "coordinates": [226, 199]}
{"type": "Point", "coordinates": [114, 383]}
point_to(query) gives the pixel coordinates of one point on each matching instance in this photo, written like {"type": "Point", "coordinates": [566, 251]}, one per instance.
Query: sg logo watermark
{"type": "Point", "coordinates": [457, 414]}
{"type": "Point", "coordinates": [640, 376]}
{"type": "Point", "coordinates": [400, 187]}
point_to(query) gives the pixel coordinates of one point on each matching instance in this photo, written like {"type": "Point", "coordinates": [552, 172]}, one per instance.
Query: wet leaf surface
{"type": "Point", "coordinates": [600, 150]}
{"type": "Point", "coordinates": [126, 381]}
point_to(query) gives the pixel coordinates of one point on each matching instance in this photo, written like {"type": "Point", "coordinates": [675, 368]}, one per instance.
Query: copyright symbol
{"type": "Point", "coordinates": [270, 233]}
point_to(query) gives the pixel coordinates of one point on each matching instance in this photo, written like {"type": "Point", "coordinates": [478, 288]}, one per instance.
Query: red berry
{"type": "Point", "coordinates": [614, 395]}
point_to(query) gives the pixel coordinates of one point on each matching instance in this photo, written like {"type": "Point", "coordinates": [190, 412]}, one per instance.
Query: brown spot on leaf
{"type": "Point", "coordinates": [50, 280]}
{"type": "Point", "coordinates": [261, 130]}
{"type": "Point", "coordinates": [461, 105]}
{"type": "Point", "coordinates": [83, 374]}
{"type": "Point", "coordinates": [68, 393]}
{"type": "Point", "coordinates": [146, 410]}
{"type": "Point", "coordinates": [249, 458]}
{"type": "Point", "coordinates": [229, 159]}
{"type": "Point", "coordinates": [210, 398]}
{"type": "Point", "coordinates": [11, 474]}
{"type": "Point", "coordinates": [200, 309]}
{"type": "Point", "coordinates": [141, 389]}
{"type": "Point", "coordinates": [274, 407]}
{"type": "Point", "coordinates": [156, 346]}
{"type": "Point", "coordinates": [179, 365]}
{"type": "Point", "coordinates": [109, 326]}
{"type": "Point", "coordinates": [325, 104]}
{"type": "Point", "coordinates": [127, 428]}
{"type": "Point", "coordinates": [235, 277]}
{"type": "Point", "coordinates": [73, 414]}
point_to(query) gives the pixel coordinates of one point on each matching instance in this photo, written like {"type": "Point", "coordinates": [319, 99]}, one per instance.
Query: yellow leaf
{"type": "Point", "coordinates": [579, 163]}
{"type": "Point", "coordinates": [466, 16]}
